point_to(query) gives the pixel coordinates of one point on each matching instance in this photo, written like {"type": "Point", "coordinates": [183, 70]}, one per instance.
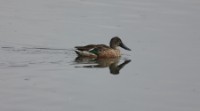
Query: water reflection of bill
{"type": "Point", "coordinates": [111, 63]}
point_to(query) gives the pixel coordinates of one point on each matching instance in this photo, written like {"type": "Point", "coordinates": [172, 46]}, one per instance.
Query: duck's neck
{"type": "Point", "coordinates": [113, 46]}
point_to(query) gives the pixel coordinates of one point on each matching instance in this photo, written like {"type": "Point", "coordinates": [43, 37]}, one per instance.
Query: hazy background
{"type": "Point", "coordinates": [163, 74]}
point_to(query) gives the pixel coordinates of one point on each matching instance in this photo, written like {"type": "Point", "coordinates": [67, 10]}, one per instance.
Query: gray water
{"type": "Point", "coordinates": [39, 69]}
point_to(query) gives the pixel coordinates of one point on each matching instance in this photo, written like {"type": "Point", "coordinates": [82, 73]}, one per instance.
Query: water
{"type": "Point", "coordinates": [39, 69]}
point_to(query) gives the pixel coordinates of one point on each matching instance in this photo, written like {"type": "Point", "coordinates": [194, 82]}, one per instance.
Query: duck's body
{"type": "Point", "coordinates": [101, 50]}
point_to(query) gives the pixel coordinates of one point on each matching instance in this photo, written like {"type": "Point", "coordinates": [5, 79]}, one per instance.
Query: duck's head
{"type": "Point", "coordinates": [116, 41]}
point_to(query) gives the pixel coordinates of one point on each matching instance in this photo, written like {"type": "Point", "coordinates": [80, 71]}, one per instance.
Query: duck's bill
{"type": "Point", "coordinates": [125, 47]}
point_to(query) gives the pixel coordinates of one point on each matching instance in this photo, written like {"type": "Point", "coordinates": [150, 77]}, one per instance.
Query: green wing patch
{"type": "Point", "coordinates": [94, 51]}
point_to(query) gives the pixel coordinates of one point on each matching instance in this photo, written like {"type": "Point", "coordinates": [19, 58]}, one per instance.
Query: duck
{"type": "Point", "coordinates": [102, 50]}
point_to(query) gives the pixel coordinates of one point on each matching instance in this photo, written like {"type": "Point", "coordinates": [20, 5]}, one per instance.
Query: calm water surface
{"type": "Point", "coordinates": [56, 78]}
{"type": "Point", "coordinates": [39, 70]}
{"type": "Point", "coordinates": [52, 79]}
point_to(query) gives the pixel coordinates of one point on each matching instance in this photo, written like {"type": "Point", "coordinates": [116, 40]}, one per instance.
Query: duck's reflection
{"type": "Point", "coordinates": [112, 63]}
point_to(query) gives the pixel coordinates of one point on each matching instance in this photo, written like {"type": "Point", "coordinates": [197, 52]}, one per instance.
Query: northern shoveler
{"type": "Point", "coordinates": [101, 50]}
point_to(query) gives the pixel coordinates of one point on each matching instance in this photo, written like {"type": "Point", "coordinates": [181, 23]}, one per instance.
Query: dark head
{"type": "Point", "coordinates": [116, 41]}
